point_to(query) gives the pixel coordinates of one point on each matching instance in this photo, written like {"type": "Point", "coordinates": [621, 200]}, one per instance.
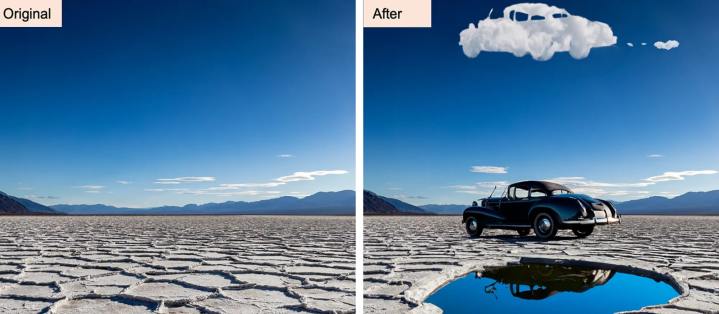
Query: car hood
{"type": "Point", "coordinates": [583, 197]}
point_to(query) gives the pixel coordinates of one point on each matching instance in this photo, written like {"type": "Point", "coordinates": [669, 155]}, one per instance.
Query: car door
{"type": "Point", "coordinates": [517, 205]}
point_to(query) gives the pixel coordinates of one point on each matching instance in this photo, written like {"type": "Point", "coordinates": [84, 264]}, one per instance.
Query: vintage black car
{"type": "Point", "coordinates": [545, 207]}
{"type": "Point", "coordinates": [537, 282]}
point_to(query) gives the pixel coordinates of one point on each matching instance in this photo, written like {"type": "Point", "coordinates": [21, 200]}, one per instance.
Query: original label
{"type": "Point", "coordinates": [30, 13]}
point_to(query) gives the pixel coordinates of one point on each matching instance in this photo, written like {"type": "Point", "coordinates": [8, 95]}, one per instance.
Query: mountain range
{"type": "Point", "coordinates": [691, 203]}
{"type": "Point", "coordinates": [321, 203]}
{"type": "Point", "coordinates": [379, 205]}
{"type": "Point", "coordinates": [10, 205]}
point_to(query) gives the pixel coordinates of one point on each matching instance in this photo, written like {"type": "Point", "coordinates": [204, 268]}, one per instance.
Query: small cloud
{"type": "Point", "coordinates": [644, 44]}
{"type": "Point", "coordinates": [667, 45]}
{"type": "Point", "coordinates": [181, 180]}
{"type": "Point", "coordinates": [239, 189]}
{"type": "Point", "coordinates": [536, 29]}
{"type": "Point", "coordinates": [481, 188]}
{"type": "Point", "coordinates": [488, 169]}
{"type": "Point", "coordinates": [655, 156]}
{"type": "Point", "coordinates": [285, 156]}
{"type": "Point", "coordinates": [42, 197]}
{"type": "Point", "coordinates": [409, 197]}
{"type": "Point", "coordinates": [91, 187]}
{"type": "Point", "coordinates": [165, 190]}
{"type": "Point", "coordinates": [229, 193]}
{"type": "Point", "coordinates": [123, 182]}
{"type": "Point", "coordinates": [669, 194]}
{"type": "Point", "coordinates": [308, 175]}
{"type": "Point", "coordinates": [678, 175]}
{"type": "Point", "coordinates": [630, 44]}
{"type": "Point", "coordinates": [299, 194]}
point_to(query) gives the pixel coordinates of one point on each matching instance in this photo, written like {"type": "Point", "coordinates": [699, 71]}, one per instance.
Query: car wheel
{"type": "Point", "coordinates": [473, 228]}
{"type": "Point", "coordinates": [523, 232]}
{"type": "Point", "coordinates": [583, 231]}
{"type": "Point", "coordinates": [545, 226]}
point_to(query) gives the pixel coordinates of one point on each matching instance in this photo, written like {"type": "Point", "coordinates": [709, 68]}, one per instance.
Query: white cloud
{"type": "Point", "coordinates": [308, 175]}
{"type": "Point", "coordinates": [229, 193]}
{"type": "Point", "coordinates": [678, 175]}
{"type": "Point", "coordinates": [91, 187]}
{"type": "Point", "coordinates": [556, 31]}
{"type": "Point", "coordinates": [644, 44]}
{"type": "Point", "coordinates": [489, 169]}
{"type": "Point", "coordinates": [667, 45]}
{"type": "Point", "coordinates": [181, 180]}
{"type": "Point", "coordinates": [42, 197]}
{"type": "Point", "coordinates": [285, 156]}
{"type": "Point", "coordinates": [409, 197]}
{"type": "Point", "coordinates": [579, 182]}
{"type": "Point", "coordinates": [123, 182]}
{"type": "Point", "coordinates": [481, 188]}
{"type": "Point", "coordinates": [235, 186]}
{"type": "Point", "coordinates": [165, 190]}
{"type": "Point", "coordinates": [630, 44]}
{"type": "Point", "coordinates": [655, 156]}
{"type": "Point", "coordinates": [239, 189]}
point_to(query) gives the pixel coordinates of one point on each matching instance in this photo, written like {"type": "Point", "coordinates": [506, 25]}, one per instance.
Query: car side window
{"type": "Point", "coordinates": [537, 194]}
{"type": "Point", "coordinates": [520, 193]}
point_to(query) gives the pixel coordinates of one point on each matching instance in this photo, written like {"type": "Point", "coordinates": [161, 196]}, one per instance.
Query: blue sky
{"type": "Point", "coordinates": [237, 100]}
{"type": "Point", "coordinates": [623, 123]}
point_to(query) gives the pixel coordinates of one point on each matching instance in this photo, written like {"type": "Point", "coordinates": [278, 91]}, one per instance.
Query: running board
{"type": "Point", "coordinates": [507, 226]}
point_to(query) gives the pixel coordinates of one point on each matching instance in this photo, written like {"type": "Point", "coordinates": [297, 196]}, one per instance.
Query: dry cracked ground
{"type": "Point", "coordinates": [200, 264]}
{"type": "Point", "coordinates": [407, 258]}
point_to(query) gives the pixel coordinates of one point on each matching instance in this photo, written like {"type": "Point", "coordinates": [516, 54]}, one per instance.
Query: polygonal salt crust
{"type": "Point", "coordinates": [266, 279]}
{"type": "Point", "coordinates": [42, 277]}
{"type": "Point", "coordinates": [8, 305]}
{"type": "Point", "coordinates": [105, 306]}
{"type": "Point", "coordinates": [206, 280]}
{"type": "Point", "coordinates": [30, 291]}
{"type": "Point", "coordinates": [266, 297]}
{"type": "Point", "coordinates": [166, 291]}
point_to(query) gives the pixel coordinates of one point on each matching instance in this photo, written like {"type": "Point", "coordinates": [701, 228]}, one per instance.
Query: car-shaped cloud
{"type": "Point", "coordinates": [542, 206]}
{"type": "Point", "coordinates": [537, 29]}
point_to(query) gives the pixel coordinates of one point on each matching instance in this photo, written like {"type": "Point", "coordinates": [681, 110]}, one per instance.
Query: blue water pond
{"type": "Point", "coordinates": [549, 289]}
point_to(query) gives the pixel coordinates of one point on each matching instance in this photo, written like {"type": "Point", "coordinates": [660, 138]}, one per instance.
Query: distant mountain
{"type": "Point", "coordinates": [691, 203]}
{"type": "Point", "coordinates": [444, 209]}
{"type": "Point", "coordinates": [11, 205]}
{"type": "Point", "coordinates": [322, 203]}
{"type": "Point", "coordinates": [379, 205]}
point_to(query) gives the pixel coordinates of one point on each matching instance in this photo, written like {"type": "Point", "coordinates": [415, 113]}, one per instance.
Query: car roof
{"type": "Point", "coordinates": [544, 185]}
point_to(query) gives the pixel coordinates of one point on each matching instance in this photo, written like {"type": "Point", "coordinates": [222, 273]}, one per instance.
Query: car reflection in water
{"type": "Point", "coordinates": [537, 282]}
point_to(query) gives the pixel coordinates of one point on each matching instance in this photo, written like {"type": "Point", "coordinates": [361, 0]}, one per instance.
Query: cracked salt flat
{"type": "Point", "coordinates": [199, 264]}
{"type": "Point", "coordinates": [407, 258]}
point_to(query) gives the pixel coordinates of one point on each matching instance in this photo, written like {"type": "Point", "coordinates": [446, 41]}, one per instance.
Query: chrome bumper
{"type": "Point", "coordinates": [593, 221]}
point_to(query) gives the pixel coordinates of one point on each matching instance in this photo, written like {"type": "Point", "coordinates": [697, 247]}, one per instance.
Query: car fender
{"type": "Point", "coordinates": [564, 208]}
{"type": "Point", "coordinates": [611, 207]}
{"type": "Point", "coordinates": [482, 213]}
